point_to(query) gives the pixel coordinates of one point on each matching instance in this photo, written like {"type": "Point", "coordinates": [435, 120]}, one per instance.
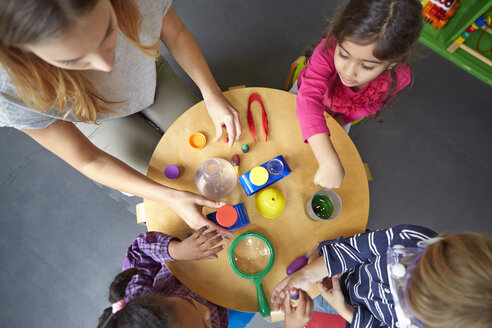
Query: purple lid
{"type": "Point", "coordinates": [171, 172]}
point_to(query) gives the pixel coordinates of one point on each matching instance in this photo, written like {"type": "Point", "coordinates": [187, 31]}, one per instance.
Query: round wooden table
{"type": "Point", "coordinates": [292, 233]}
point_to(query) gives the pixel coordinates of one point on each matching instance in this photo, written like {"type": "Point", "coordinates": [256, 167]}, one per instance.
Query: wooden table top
{"type": "Point", "coordinates": [292, 233]}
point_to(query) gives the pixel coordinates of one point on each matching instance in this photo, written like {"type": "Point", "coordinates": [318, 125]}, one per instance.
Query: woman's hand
{"type": "Point", "coordinates": [299, 317]}
{"type": "Point", "coordinates": [330, 174]}
{"type": "Point", "coordinates": [189, 207]}
{"type": "Point", "coordinates": [185, 50]}
{"type": "Point", "coordinates": [199, 246]}
{"type": "Point", "coordinates": [223, 114]}
{"type": "Point", "coordinates": [330, 290]}
{"type": "Point", "coordinates": [66, 141]}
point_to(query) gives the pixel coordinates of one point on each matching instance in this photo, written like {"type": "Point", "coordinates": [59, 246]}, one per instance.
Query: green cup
{"type": "Point", "coordinates": [251, 256]}
{"type": "Point", "coordinates": [324, 205]}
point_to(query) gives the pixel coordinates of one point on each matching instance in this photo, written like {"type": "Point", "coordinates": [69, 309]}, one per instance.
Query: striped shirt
{"type": "Point", "coordinates": [361, 259]}
{"type": "Point", "coordinates": [148, 253]}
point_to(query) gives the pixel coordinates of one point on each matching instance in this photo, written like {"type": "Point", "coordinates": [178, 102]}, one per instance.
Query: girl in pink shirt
{"type": "Point", "coordinates": [356, 70]}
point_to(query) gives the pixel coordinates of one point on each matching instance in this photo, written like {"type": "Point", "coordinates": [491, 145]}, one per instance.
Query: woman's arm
{"type": "Point", "coordinates": [67, 142]}
{"type": "Point", "coordinates": [185, 50]}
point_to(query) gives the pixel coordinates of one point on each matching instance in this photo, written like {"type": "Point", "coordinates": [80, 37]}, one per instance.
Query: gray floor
{"type": "Point", "coordinates": [63, 238]}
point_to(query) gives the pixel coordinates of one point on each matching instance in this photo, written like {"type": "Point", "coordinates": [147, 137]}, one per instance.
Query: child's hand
{"type": "Point", "coordinates": [281, 291]}
{"type": "Point", "coordinates": [330, 174]}
{"type": "Point", "coordinates": [197, 247]}
{"type": "Point", "coordinates": [300, 316]}
{"type": "Point", "coordinates": [330, 290]}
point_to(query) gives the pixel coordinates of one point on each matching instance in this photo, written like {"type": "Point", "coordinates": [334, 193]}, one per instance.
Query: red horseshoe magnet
{"type": "Point", "coordinates": [251, 122]}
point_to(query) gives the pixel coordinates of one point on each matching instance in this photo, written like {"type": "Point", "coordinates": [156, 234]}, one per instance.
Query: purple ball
{"type": "Point", "coordinates": [171, 172]}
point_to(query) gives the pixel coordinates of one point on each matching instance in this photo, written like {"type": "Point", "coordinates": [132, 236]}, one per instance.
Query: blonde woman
{"type": "Point", "coordinates": [94, 61]}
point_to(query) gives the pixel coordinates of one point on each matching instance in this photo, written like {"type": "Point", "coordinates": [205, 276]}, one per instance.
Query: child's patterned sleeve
{"type": "Point", "coordinates": [146, 253]}
{"type": "Point", "coordinates": [342, 254]}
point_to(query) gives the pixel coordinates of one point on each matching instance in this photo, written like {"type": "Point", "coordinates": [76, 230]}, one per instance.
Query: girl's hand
{"type": "Point", "coordinates": [299, 317]}
{"type": "Point", "coordinates": [330, 290]}
{"type": "Point", "coordinates": [330, 174]}
{"type": "Point", "coordinates": [281, 291]}
{"type": "Point", "coordinates": [223, 114]}
{"type": "Point", "coordinates": [199, 246]}
{"type": "Point", "coordinates": [189, 207]}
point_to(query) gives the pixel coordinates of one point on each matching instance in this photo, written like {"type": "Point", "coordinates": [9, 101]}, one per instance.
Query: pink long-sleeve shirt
{"type": "Point", "coordinates": [315, 82]}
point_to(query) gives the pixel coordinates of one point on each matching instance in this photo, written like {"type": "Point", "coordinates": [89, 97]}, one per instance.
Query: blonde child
{"type": "Point", "coordinates": [405, 277]}
{"type": "Point", "coordinates": [355, 70]}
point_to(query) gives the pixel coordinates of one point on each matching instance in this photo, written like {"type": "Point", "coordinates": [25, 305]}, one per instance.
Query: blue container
{"type": "Point", "coordinates": [273, 175]}
{"type": "Point", "coordinates": [242, 217]}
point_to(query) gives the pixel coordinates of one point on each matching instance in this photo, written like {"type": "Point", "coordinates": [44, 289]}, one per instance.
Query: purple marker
{"type": "Point", "coordinates": [297, 264]}
{"type": "Point", "coordinates": [300, 262]}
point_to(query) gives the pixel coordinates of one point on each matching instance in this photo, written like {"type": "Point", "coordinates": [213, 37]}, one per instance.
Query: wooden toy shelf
{"type": "Point", "coordinates": [439, 40]}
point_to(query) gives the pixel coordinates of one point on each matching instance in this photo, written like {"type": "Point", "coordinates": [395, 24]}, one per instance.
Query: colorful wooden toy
{"type": "Point", "coordinates": [439, 12]}
{"type": "Point", "coordinates": [480, 22]}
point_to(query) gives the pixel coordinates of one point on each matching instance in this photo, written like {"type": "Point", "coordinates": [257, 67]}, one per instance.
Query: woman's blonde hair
{"type": "Point", "coordinates": [451, 284]}
{"type": "Point", "coordinates": [43, 86]}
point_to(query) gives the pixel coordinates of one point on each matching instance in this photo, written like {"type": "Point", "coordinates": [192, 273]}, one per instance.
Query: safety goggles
{"type": "Point", "coordinates": [400, 262]}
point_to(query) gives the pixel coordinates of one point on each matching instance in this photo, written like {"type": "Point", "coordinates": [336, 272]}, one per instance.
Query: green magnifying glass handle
{"type": "Point", "coordinates": [263, 306]}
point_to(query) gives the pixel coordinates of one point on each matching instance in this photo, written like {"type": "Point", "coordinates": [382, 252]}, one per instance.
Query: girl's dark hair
{"type": "Point", "coordinates": [142, 311]}
{"type": "Point", "coordinates": [394, 25]}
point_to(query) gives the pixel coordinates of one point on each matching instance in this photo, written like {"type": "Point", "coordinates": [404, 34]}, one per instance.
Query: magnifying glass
{"type": "Point", "coordinates": [251, 256]}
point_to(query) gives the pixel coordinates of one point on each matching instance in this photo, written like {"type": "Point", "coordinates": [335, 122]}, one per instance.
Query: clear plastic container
{"type": "Point", "coordinates": [324, 205]}
{"type": "Point", "coordinates": [215, 178]}
{"type": "Point", "coordinates": [275, 167]}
